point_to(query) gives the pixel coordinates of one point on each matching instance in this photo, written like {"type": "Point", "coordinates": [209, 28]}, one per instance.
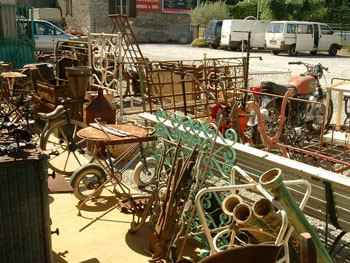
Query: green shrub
{"type": "Point", "coordinates": [198, 42]}
{"type": "Point", "coordinates": [242, 10]}
{"type": "Point", "coordinates": [346, 45]}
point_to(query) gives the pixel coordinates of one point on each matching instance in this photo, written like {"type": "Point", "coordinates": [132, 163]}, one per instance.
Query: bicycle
{"type": "Point", "coordinates": [60, 139]}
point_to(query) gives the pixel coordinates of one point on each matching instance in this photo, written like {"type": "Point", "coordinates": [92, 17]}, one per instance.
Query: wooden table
{"type": "Point", "coordinates": [11, 79]}
{"type": "Point", "coordinates": [137, 135]}
{"type": "Point", "coordinates": [340, 87]}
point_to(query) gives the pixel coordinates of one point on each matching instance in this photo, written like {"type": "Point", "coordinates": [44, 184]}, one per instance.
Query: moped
{"type": "Point", "coordinates": [305, 111]}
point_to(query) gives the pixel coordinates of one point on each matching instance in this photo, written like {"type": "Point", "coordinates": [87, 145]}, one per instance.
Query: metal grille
{"type": "Point", "coordinates": [16, 35]}
{"type": "Point", "coordinates": [176, 85]}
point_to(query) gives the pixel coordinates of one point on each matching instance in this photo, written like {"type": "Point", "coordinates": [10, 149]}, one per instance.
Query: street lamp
{"type": "Point", "coordinates": [242, 43]}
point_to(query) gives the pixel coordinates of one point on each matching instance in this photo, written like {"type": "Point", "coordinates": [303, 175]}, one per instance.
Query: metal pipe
{"type": "Point", "coordinates": [244, 216]}
{"type": "Point", "coordinates": [272, 181]}
{"type": "Point", "coordinates": [230, 202]}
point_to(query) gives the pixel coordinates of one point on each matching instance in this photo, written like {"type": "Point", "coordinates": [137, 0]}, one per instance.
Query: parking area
{"type": "Point", "coordinates": [338, 66]}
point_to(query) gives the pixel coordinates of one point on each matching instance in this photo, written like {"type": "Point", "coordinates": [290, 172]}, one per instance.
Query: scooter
{"type": "Point", "coordinates": [304, 113]}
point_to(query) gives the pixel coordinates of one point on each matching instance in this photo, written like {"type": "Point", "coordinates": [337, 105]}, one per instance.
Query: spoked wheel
{"type": "Point", "coordinates": [69, 155]}
{"type": "Point", "coordinates": [143, 176]}
{"type": "Point", "coordinates": [270, 116]}
{"type": "Point", "coordinates": [86, 180]}
{"type": "Point", "coordinates": [315, 116]}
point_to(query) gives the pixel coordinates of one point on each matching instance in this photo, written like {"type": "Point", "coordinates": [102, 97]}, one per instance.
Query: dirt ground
{"type": "Point", "coordinates": [105, 241]}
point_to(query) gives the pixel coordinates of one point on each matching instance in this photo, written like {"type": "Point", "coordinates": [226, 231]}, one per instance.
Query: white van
{"type": "Point", "coordinates": [234, 33]}
{"type": "Point", "coordinates": [294, 36]}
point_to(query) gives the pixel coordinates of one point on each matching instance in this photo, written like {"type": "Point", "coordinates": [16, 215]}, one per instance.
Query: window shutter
{"type": "Point", "coordinates": [132, 8]}
{"type": "Point", "coordinates": [111, 6]}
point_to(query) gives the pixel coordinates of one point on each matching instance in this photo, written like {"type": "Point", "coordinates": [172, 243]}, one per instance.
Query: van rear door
{"type": "Point", "coordinates": [305, 37]}
{"type": "Point", "coordinates": [274, 35]}
{"type": "Point", "coordinates": [226, 33]}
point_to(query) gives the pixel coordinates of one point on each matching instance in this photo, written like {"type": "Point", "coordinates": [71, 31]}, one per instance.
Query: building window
{"type": "Point", "coordinates": [118, 7]}
{"type": "Point", "coordinates": [121, 7]}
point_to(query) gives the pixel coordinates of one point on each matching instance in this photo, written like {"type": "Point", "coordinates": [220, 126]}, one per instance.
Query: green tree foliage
{"type": "Point", "coordinates": [337, 11]}
{"type": "Point", "coordinates": [209, 11]}
{"type": "Point", "coordinates": [228, 2]}
{"type": "Point", "coordinates": [242, 10]}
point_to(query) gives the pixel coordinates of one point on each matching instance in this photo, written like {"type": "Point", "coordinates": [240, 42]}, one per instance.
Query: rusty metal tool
{"type": "Point", "coordinates": [183, 172]}
{"type": "Point", "coordinates": [200, 187]}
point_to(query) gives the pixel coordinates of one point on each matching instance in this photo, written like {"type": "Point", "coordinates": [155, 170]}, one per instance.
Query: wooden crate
{"type": "Point", "coordinates": [51, 92]}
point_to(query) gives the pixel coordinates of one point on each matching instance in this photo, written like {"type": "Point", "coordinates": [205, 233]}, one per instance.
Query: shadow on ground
{"type": "Point", "coordinates": [100, 204]}
{"type": "Point", "coordinates": [59, 258]}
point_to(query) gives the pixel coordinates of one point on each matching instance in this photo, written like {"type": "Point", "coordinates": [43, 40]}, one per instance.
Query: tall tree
{"type": "Point", "coordinates": [207, 11]}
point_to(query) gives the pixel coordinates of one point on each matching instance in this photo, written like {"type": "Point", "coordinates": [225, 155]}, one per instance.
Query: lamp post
{"type": "Point", "coordinates": [257, 11]}
{"type": "Point", "coordinates": [242, 43]}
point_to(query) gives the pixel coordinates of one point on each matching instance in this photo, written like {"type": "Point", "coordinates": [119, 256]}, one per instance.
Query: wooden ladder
{"type": "Point", "coordinates": [132, 52]}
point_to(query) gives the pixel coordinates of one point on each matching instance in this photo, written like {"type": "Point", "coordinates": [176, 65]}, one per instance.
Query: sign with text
{"type": "Point", "coordinates": [148, 5]}
{"type": "Point", "coordinates": [179, 6]}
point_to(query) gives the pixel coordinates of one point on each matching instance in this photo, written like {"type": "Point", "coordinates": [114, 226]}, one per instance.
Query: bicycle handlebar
{"type": "Point", "coordinates": [295, 62]}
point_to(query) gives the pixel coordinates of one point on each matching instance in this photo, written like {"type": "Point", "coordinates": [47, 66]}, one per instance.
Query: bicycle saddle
{"type": "Point", "coordinates": [51, 115]}
{"type": "Point", "coordinates": [274, 88]}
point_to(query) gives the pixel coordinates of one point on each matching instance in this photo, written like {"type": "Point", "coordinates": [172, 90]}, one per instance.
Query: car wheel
{"type": "Point", "coordinates": [313, 53]}
{"type": "Point", "coordinates": [292, 51]}
{"type": "Point", "coordinates": [333, 50]}
{"type": "Point", "coordinates": [275, 52]}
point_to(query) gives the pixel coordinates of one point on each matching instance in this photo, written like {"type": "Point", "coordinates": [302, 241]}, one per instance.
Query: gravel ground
{"type": "Point", "coordinates": [338, 67]}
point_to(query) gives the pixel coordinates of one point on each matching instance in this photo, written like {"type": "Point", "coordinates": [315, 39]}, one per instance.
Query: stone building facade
{"type": "Point", "coordinates": [148, 26]}
{"type": "Point", "coordinates": [38, 3]}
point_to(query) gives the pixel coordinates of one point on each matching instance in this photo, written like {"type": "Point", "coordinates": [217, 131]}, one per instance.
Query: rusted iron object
{"type": "Point", "coordinates": [265, 253]}
{"type": "Point", "coordinates": [272, 181]}
{"type": "Point", "coordinates": [177, 185]}
{"type": "Point", "coordinates": [200, 187]}
{"type": "Point", "coordinates": [139, 135]}
{"type": "Point", "coordinates": [102, 108]}
{"type": "Point", "coordinates": [125, 207]}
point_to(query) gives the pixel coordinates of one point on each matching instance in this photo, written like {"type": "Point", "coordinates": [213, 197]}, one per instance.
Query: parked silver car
{"type": "Point", "coordinates": [46, 36]}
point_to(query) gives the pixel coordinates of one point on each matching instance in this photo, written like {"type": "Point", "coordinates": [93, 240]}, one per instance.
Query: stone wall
{"type": "Point", "coordinates": [38, 3]}
{"type": "Point", "coordinates": [100, 22]}
{"type": "Point", "coordinates": [148, 26]}
{"type": "Point", "coordinates": [79, 16]}
{"type": "Point", "coordinates": [162, 27]}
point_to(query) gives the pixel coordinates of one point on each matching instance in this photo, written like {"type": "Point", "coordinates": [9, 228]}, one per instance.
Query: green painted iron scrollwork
{"type": "Point", "coordinates": [174, 128]}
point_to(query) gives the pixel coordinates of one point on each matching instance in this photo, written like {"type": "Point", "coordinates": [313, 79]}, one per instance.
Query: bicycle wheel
{"type": "Point", "coordinates": [70, 154]}
{"type": "Point", "coordinates": [143, 177]}
{"type": "Point", "coordinates": [86, 180]}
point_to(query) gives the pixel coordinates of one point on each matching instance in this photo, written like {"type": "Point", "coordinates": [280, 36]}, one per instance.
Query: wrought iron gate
{"type": "Point", "coordinates": [16, 35]}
